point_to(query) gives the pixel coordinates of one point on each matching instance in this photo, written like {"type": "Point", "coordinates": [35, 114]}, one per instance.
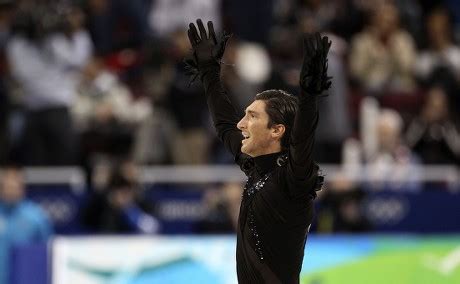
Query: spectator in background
{"type": "Point", "coordinates": [440, 63]}
{"type": "Point", "coordinates": [393, 166]}
{"type": "Point", "coordinates": [187, 105]}
{"type": "Point", "coordinates": [45, 59]}
{"type": "Point", "coordinates": [222, 206]}
{"type": "Point", "coordinates": [342, 207]}
{"type": "Point", "coordinates": [382, 56]}
{"type": "Point", "coordinates": [21, 221]}
{"type": "Point", "coordinates": [433, 135]}
{"type": "Point", "coordinates": [119, 208]}
{"type": "Point", "coordinates": [106, 114]}
{"type": "Point", "coordinates": [442, 51]}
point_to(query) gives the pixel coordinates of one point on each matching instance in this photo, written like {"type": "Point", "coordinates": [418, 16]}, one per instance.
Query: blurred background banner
{"type": "Point", "coordinates": [400, 259]}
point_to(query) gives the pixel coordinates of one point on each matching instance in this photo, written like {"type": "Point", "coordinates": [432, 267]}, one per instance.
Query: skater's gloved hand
{"type": "Point", "coordinates": [206, 49]}
{"type": "Point", "coordinates": [313, 76]}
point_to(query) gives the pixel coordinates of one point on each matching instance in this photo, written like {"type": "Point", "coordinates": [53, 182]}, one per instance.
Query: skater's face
{"type": "Point", "coordinates": [258, 138]}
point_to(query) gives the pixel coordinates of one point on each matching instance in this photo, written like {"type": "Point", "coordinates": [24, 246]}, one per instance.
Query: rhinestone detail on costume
{"type": "Point", "coordinates": [248, 194]}
{"type": "Point", "coordinates": [257, 186]}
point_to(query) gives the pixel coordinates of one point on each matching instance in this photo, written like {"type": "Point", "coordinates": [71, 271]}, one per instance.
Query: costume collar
{"type": "Point", "coordinates": [268, 162]}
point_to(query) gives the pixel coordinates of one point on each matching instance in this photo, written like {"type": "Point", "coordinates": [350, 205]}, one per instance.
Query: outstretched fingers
{"type": "Point", "coordinates": [191, 38]}
{"type": "Point", "coordinates": [203, 33]}
{"type": "Point", "coordinates": [212, 34]}
{"type": "Point", "coordinates": [193, 34]}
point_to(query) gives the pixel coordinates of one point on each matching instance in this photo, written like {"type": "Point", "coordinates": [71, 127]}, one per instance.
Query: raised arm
{"type": "Point", "coordinates": [313, 81]}
{"type": "Point", "coordinates": [207, 54]}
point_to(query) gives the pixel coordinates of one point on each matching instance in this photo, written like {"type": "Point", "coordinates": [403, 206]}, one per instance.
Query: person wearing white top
{"type": "Point", "coordinates": [46, 67]}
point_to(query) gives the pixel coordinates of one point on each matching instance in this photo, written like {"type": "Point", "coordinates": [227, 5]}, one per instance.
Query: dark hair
{"type": "Point", "coordinates": [281, 108]}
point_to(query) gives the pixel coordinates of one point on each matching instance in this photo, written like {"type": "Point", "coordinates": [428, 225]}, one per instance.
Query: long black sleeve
{"type": "Point", "coordinates": [223, 113]}
{"type": "Point", "coordinates": [301, 167]}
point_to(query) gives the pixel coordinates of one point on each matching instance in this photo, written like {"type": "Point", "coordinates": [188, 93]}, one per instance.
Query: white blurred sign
{"type": "Point", "coordinates": [127, 260]}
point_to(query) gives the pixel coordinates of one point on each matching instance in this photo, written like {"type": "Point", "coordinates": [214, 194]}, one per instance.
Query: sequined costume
{"type": "Point", "coordinates": [277, 203]}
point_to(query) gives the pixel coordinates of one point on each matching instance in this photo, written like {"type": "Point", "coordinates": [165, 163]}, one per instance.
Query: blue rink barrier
{"type": "Point", "coordinates": [430, 211]}
{"type": "Point", "coordinates": [61, 203]}
{"type": "Point", "coordinates": [179, 208]}
{"type": "Point", "coordinates": [28, 264]}
{"type": "Point", "coordinates": [434, 210]}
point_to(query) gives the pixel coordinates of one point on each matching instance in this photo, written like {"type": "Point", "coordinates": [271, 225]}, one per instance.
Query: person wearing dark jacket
{"type": "Point", "coordinates": [273, 145]}
{"type": "Point", "coordinates": [119, 209]}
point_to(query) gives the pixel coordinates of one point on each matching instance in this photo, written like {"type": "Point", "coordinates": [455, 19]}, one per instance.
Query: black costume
{"type": "Point", "coordinates": [277, 204]}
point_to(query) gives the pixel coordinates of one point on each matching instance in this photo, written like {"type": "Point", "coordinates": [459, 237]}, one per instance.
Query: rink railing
{"type": "Point", "coordinates": [75, 176]}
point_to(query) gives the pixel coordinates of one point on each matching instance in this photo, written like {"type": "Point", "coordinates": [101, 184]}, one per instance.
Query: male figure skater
{"type": "Point", "coordinates": [272, 144]}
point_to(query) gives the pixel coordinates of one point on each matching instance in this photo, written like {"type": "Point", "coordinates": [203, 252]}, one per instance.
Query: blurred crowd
{"type": "Point", "coordinates": [85, 81]}
{"type": "Point", "coordinates": [102, 82]}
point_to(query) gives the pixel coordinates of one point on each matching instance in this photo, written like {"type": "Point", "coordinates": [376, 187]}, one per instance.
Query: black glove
{"type": "Point", "coordinates": [313, 76]}
{"type": "Point", "coordinates": [206, 50]}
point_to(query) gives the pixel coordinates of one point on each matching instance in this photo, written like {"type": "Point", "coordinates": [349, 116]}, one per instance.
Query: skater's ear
{"type": "Point", "coordinates": [278, 131]}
